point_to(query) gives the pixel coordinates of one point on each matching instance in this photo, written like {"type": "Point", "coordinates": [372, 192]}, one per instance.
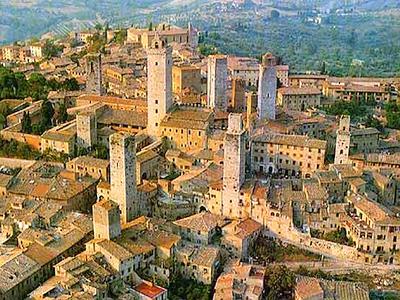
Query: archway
{"type": "Point", "coordinates": [202, 209]}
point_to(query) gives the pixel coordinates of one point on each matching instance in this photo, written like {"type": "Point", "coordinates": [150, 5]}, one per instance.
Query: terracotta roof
{"type": "Point", "coordinates": [299, 91]}
{"type": "Point", "coordinates": [292, 140]}
{"type": "Point", "coordinates": [149, 290]}
{"type": "Point", "coordinates": [307, 288]}
{"type": "Point", "coordinates": [203, 221]}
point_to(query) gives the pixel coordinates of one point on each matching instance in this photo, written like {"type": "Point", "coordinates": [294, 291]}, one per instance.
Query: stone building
{"type": "Point", "coordinates": [94, 74]}
{"type": "Point", "coordinates": [186, 77]}
{"type": "Point", "coordinates": [61, 138]}
{"type": "Point", "coordinates": [217, 82]}
{"type": "Point", "coordinates": [234, 166]}
{"type": "Point", "coordinates": [238, 100]}
{"type": "Point", "coordinates": [373, 228]}
{"type": "Point", "coordinates": [86, 129]}
{"type": "Point", "coordinates": [298, 99]}
{"type": "Point", "coordinates": [106, 220]}
{"type": "Point", "coordinates": [159, 84]}
{"type": "Point", "coordinates": [165, 32]}
{"type": "Point", "coordinates": [123, 174]}
{"type": "Point", "coordinates": [187, 129]}
{"type": "Point", "coordinates": [90, 166]}
{"type": "Point", "coordinates": [267, 87]}
{"type": "Point", "coordinates": [289, 154]}
{"type": "Point", "coordinates": [343, 141]}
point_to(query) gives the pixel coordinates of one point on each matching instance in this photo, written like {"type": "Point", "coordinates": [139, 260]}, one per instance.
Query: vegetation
{"type": "Point", "coordinates": [50, 49]}
{"type": "Point", "coordinates": [393, 115]}
{"type": "Point", "coordinates": [97, 43]}
{"type": "Point", "coordinates": [353, 44]}
{"type": "Point", "coordinates": [120, 36]}
{"type": "Point", "coordinates": [279, 283]}
{"type": "Point", "coordinates": [271, 251]}
{"type": "Point", "coordinates": [46, 118]}
{"type": "Point", "coordinates": [182, 288]}
{"type": "Point", "coordinates": [5, 110]}
{"type": "Point", "coordinates": [338, 236]}
{"type": "Point", "coordinates": [26, 123]}
{"type": "Point", "coordinates": [351, 276]}
{"type": "Point", "coordinates": [356, 108]}
{"type": "Point", "coordinates": [14, 149]}
{"type": "Point", "coordinates": [16, 86]}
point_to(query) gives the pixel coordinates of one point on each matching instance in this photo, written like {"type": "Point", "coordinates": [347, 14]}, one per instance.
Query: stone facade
{"type": "Point", "coordinates": [106, 220]}
{"type": "Point", "coordinates": [217, 82]}
{"type": "Point", "coordinates": [94, 76]}
{"type": "Point", "coordinates": [234, 166]}
{"type": "Point", "coordinates": [123, 174]}
{"type": "Point", "coordinates": [267, 88]}
{"type": "Point", "coordinates": [159, 84]}
{"type": "Point", "coordinates": [238, 101]}
{"type": "Point", "coordinates": [343, 141]}
{"type": "Point", "coordinates": [86, 130]}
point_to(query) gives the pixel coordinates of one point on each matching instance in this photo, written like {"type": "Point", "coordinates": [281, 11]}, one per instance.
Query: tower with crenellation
{"type": "Point", "coordinates": [343, 141]}
{"type": "Point", "coordinates": [123, 190]}
{"type": "Point", "coordinates": [217, 82]}
{"type": "Point", "coordinates": [159, 84]}
{"type": "Point", "coordinates": [94, 74]}
{"type": "Point", "coordinates": [234, 166]}
{"type": "Point", "coordinates": [267, 88]}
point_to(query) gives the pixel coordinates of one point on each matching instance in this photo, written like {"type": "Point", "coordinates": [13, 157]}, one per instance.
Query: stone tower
{"type": "Point", "coordinates": [234, 166]}
{"type": "Point", "coordinates": [159, 84]}
{"type": "Point", "coordinates": [94, 74]}
{"type": "Point", "coordinates": [238, 94]}
{"type": "Point", "coordinates": [251, 108]}
{"type": "Point", "coordinates": [86, 130]}
{"type": "Point", "coordinates": [123, 174]}
{"type": "Point", "coordinates": [267, 87]}
{"type": "Point", "coordinates": [343, 141]}
{"type": "Point", "coordinates": [217, 82]}
{"type": "Point", "coordinates": [106, 220]}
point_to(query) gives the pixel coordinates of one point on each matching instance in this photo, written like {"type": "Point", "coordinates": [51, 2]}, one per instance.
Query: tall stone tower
{"type": "Point", "coordinates": [86, 130]}
{"type": "Point", "coordinates": [238, 94]}
{"type": "Point", "coordinates": [159, 84]}
{"type": "Point", "coordinates": [234, 167]}
{"type": "Point", "coordinates": [94, 74]}
{"type": "Point", "coordinates": [217, 82]}
{"type": "Point", "coordinates": [267, 87]}
{"type": "Point", "coordinates": [251, 108]}
{"type": "Point", "coordinates": [106, 220]}
{"type": "Point", "coordinates": [123, 174]}
{"type": "Point", "coordinates": [343, 141]}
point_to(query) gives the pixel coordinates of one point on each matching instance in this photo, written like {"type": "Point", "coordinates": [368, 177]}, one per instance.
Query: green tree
{"type": "Point", "coordinates": [120, 36]}
{"type": "Point", "coordinates": [46, 115]}
{"type": "Point", "coordinates": [279, 283]}
{"type": "Point", "coordinates": [51, 50]}
{"type": "Point", "coordinates": [62, 113]}
{"type": "Point", "coordinates": [26, 123]}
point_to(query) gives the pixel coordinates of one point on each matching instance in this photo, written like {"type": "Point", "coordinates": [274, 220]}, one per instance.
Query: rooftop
{"type": "Point", "coordinates": [203, 222]}
{"type": "Point", "coordinates": [290, 91]}
{"type": "Point", "coordinates": [291, 140]}
{"type": "Point", "coordinates": [149, 290]}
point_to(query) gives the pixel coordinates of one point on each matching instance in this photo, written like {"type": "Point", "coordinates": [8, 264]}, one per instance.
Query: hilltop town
{"type": "Point", "coordinates": [132, 166]}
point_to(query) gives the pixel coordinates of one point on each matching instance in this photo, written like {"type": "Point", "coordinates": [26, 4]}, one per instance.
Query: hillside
{"type": "Point", "coordinates": [349, 37]}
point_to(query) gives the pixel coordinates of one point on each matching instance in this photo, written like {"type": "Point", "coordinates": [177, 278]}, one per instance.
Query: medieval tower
{"type": "Point", "coordinates": [106, 220]}
{"type": "Point", "coordinates": [123, 174]}
{"type": "Point", "coordinates": [343, 141]}
{"type": "Point", "coordinates": [234, 166]}
{"type": "Point", "coordinates": [86, 130]}
{"type": "Point", "coordinates": [159, 84]}
{"type": "Point", "coordinates": [267, 87]}
{"type": "Point", "coordinates": [94, 74]}
{"type": "Point", "coordinates": [217, 82]}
